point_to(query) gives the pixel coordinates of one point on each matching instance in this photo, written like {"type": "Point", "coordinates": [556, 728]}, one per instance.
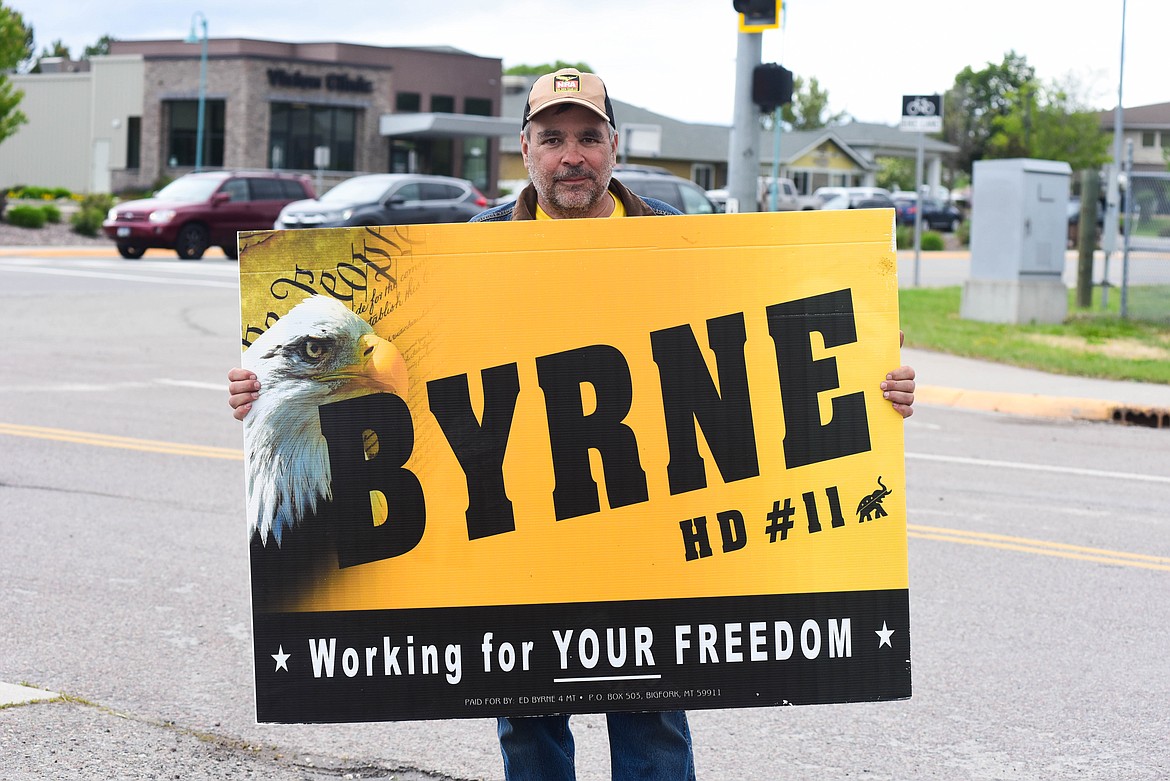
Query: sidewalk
{"type": "Point", "coordinates": [951, 381]}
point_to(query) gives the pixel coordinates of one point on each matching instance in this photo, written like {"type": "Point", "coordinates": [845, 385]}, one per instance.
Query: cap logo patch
{"type": "Point", "coordinates": [567, 83]}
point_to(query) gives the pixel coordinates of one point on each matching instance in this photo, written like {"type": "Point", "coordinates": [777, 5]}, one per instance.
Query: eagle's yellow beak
{"type": "Point", "coordinates": [378, 366]}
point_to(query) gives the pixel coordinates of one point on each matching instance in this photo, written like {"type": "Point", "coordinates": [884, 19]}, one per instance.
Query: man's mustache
{"type": "Point", "coordinates": [575, 173]}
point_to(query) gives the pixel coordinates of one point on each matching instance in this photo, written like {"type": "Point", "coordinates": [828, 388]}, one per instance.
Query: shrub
{"type": "Point", "coordinates": [100, 201]}
{"type": "Point", "coordinates": [964, 233]}
{"type": "Point", "coordinates": [52, 213]}
{"type": "Point", "coordinates": [87, 221]}
{"type": "Point", "coordinates": [33, 193]}
{"type": "Point", "coordinates": [26, 216]}
{"type": "Point", "coordinates": [905, 237]}
{"type": "Point", "coordinates": [932, 241]}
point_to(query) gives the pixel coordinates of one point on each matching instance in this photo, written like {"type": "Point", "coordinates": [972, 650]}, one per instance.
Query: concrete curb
{"type": "Point", "coordinates": [12, 694]}
{"type": "Point", "coordinates": [59, 252]}
{"type": "Point", "coordinates": [95, 251]}
{"type": "Point", "coordinates": [1035, 405]}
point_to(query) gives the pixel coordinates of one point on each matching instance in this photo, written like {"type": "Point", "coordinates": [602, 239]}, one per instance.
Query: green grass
{"type": "Point", "coordinates": [1156, 225]}
{"type": "Point", "coordinates": [1137, 349]}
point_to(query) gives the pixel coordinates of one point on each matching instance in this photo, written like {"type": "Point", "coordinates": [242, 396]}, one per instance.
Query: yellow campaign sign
{"type": "Point", "coordinates": [535, 444]}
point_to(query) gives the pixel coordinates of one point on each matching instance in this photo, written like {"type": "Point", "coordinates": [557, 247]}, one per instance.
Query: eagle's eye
{"type": "Point", "coordinates": [313, 349]}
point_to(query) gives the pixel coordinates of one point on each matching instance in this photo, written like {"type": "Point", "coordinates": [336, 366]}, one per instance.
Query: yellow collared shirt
{"type": "Point", "coordinates": [619, 210]}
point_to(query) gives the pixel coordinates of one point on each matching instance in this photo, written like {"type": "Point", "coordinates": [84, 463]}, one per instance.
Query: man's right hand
{"type": "Point", "coordinates": [243, 389]}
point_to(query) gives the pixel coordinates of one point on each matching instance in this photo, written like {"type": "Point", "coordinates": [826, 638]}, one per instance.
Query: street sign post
{"type": "Point", "coordinates": [921, 114]}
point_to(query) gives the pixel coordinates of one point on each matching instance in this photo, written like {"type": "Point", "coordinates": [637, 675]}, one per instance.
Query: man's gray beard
{"type": "Point", "coordinates": [571, 211]}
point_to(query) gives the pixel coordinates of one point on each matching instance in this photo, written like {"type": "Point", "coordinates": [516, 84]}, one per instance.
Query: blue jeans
{"type": "Point", "coordinates": [642, 747]}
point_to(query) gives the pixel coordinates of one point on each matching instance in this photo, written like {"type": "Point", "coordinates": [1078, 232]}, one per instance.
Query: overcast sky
{"type": "Point", "coordinates": [677, 57]}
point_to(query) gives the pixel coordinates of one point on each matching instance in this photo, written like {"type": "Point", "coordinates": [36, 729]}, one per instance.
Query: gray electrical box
{"type": "Point", "coordinates": [1019, 230]}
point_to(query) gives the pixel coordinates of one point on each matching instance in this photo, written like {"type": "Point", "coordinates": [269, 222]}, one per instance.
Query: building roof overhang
{"type": "Point", "coordinates": [439, 125]}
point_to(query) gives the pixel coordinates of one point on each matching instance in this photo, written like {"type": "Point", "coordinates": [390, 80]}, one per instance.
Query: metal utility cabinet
{"type": "Point", "coordinates": [1019, 230]}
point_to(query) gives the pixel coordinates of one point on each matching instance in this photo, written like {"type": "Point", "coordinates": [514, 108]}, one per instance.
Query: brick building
{"type": "Point", "coordinates": [130, 119]}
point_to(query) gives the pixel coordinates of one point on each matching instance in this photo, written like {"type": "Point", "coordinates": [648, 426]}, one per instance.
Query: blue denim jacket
{"type": "Point", "coordinates": [524, 207]}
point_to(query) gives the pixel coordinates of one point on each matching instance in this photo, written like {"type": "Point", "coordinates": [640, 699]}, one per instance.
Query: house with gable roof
{"type": "Point", "coordinates": [1148, 127]}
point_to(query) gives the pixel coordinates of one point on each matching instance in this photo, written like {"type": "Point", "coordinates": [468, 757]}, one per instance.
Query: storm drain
{"type": "Point", "coordinates": [1150, 418]}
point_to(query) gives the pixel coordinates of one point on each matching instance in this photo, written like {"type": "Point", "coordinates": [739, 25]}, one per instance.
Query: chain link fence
{"type": "Point", "coordinates": [1145, 288]}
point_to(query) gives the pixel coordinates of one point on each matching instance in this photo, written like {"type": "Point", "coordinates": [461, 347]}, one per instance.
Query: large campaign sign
{"type": "Point", "coordinates": [574, 466]}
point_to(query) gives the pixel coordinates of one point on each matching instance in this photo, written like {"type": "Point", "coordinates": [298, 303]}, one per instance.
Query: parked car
{"type": "Point", "coordinates": [823, 194]}
{"type": "Point", "coordinates": [201, 210]}
{"type": "Point", "coordinates": [1074, 218]}
{"type": "Point", "coordinates": [387, 199]}
{"type": "Point", "coordinates": [653, 182]}
{"type": "Point", "coordinates": [787, 198]}
{"type": "Point", "coordinates": [859, 200]}
{"type": "Point", "coordinates": [936, 214]}
{"type": "Point", "coordinates": [719, 197]}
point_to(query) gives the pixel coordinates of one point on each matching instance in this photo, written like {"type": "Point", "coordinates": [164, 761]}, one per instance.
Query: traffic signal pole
{"type": "Point", "coordinates": [743, 157]}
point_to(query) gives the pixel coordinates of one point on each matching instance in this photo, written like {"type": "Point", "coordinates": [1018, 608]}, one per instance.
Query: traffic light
{"type": "Point", "coordinates": [771, 86]}
{"type": "Point", "coordinates": [757, 15]}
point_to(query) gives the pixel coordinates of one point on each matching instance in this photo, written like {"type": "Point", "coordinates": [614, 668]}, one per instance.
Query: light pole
{"type": "Point", "coordinates": [1112, 207]}
{"type": "Point", "coordinates": [202, 39]}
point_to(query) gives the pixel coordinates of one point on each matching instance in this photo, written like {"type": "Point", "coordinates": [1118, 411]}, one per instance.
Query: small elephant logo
{"type": "Point", "coordinates": [870, 506]}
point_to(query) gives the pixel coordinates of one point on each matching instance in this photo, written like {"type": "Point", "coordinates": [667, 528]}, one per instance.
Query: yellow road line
{"type": "Point", "coordinates": [125, 443]}
{"type": "Point", "coordinates": [918, 531]}
{"type": "Point", "coordinates": [1039, 547]}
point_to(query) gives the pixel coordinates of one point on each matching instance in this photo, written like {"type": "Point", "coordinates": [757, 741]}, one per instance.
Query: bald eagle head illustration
{"type": "Point", "coordinates": [318, 353]}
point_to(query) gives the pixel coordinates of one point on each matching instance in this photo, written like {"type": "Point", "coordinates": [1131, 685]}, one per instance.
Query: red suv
{"type": "Point", "coordinates": [205, 209]}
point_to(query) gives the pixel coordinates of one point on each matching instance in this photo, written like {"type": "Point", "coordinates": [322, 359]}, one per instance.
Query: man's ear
{"type": "Point", "coordinates": [524, 148]}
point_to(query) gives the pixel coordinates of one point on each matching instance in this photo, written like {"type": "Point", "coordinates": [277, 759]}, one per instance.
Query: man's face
{"type": "Point", "coordinates": [570, 153]}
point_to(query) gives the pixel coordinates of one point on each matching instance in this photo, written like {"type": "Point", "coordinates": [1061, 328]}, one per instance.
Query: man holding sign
{"type": "Point", "coordinates": [569, 145]}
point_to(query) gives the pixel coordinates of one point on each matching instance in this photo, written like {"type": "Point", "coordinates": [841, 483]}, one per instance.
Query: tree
{"type": "Point", "coordinates": [1049, 123]}
{"type": "Point", "coordinates": [16, 40]}
{"type": "Point", "coordinates": [972, 105]}
{"type": "Point", "coordinates": [540, 70]}
{"type": "Point", "coordinates": [16, 46]}
{"type": "Point", "coordinates": [896, 173]}
{"type": "Point", "coordinates": [56, 49]}
{"type": "Point", "coordinates": [101, 47]}
{"type": "Point", "coordinates": [810, 106]}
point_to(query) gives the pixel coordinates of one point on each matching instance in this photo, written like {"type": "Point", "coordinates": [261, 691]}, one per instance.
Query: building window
{"type": "Point", "coordinates": [480, 107]}
{"type": "Point", "coordinates": [703, 175]}
{"type": "Point", "coordinates": [297, 129]}
{"type": "Point", "coordinates": [1149, 139]}
{"type": "Point", "coordinates": [442, 104]}
{"type": "Point", "coordinates": [475, 160]}
{"type": "Point", "coordinates": [133, 142]}
{"type": "Point", "coordinates": [477, 149]}
{"type": "Point", "coordinates": [403, 156]}
{"type": "Point", "coordinates": [183, 132]}
{"type": "Point", "coordinates": [408, 102]}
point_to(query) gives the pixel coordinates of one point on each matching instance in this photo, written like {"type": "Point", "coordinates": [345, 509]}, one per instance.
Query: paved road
{"type": "Point", "coordinates": [1039, 554]}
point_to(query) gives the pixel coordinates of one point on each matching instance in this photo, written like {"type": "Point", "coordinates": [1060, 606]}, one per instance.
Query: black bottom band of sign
{"type": "Point", "coordinates": [589, 657]}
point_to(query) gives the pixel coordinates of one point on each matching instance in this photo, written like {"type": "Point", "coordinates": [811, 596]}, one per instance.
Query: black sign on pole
{"type": "Point", "coordinates": [922, 113]}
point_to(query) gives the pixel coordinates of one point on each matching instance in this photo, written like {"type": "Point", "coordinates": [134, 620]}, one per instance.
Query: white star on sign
{"type": "Point", "coordinates": [884, 634]}
{"type": "Point", "coordinates": [281, 659]}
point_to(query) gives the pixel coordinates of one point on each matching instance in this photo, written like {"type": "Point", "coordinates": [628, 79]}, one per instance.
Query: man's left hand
{"type": "Point", "coordinates": [899, 386]}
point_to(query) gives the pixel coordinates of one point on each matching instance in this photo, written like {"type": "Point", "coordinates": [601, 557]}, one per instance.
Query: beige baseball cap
{"type": "Point", "coordinates": [569, 85]}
